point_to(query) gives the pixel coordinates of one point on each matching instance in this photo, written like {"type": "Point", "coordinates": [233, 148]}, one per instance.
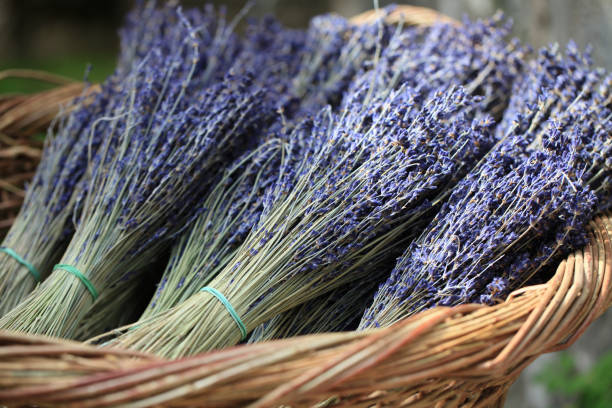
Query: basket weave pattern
{"type": "Point", "coordinates": [465, 356]}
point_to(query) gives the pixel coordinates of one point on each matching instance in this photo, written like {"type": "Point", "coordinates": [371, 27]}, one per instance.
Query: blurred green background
{"type": "Point", "coordinates": [62, 37]}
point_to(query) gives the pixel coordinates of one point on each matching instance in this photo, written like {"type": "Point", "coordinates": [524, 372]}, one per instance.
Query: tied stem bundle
{"type": "Point", "coordinates": [45, 224]}
{"type": "Point", "coordinates": [158, 158]}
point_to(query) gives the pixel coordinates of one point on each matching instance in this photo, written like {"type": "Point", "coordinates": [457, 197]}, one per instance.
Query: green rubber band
{"type": "Point", "coordinates": [33, 271]}
{"type": "Point", "coordinates": [229, 308]}
{"type": "Point", "coordinates": [90, 287]}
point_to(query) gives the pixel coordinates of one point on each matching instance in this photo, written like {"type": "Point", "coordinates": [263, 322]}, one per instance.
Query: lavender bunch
{"type": "Point", "coordinates": [514, 215]}
{"type": "Point", "coordinates": [39, 233]}
{"type": "Point", "coordinates": [235, 204]}
{"type": "Point", "coordinates": [330, 217]}
{"type": "Point", "coordinates": [158, 159]}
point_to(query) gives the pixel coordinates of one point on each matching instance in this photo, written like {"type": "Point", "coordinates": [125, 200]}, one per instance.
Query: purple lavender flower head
{"type": "Point", "coordinates": [514, 215]}
{"type": "Point", "coordinates": [165, 28]}
{"type": "Point", "coordinates": [476, 55]}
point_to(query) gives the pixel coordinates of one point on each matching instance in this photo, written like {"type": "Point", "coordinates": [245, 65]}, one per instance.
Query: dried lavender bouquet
{"type": "Point", "coordinates": [316, 68]}
{"type": "Point", "coordinates": [220, 47]}
{"type": "Point", "coordinates": [41, 231]}
{"type": "Point", "coordinates": [379, 168]}
{"type": "Point", "coordinates": [524, 207]}
{"type": "Point", "coordinates": [160, 156]}
{"type": "Point", "coordinates": [277, 52]}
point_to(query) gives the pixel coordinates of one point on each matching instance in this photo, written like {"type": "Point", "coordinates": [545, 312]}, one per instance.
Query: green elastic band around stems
{"type": "Point", "coordinates": [69, 268]}
{"type": "Point", "coordinates": [229, 308]}
{"type": "Point", "coordinates": [33, 271]}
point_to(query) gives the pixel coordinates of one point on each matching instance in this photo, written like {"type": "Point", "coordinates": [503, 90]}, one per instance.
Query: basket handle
{"type": "Point", "coordinates": [35, 74]}
{"type": "Point", "coordinates": [409, 15]}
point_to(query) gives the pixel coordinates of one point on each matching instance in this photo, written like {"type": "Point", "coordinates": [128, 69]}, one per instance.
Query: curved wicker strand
{"type": "Point", "coordinates": [32, 113]}
{"type": "Point", "coordinates": [36, 74]}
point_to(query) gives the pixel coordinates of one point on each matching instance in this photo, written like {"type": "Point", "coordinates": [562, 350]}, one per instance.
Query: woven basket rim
{"type": "Point", "coordinates": [406, 14]}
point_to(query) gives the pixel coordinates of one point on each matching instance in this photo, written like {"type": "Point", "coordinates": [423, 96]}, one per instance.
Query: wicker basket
{"type": "Point", "coordinates": [465, 356]}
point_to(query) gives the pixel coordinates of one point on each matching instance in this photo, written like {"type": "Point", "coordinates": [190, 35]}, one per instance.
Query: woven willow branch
{"type": "Point", "coordinates": [28, 114]}
{"type": "Point", "coordinates": [408, 15]}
